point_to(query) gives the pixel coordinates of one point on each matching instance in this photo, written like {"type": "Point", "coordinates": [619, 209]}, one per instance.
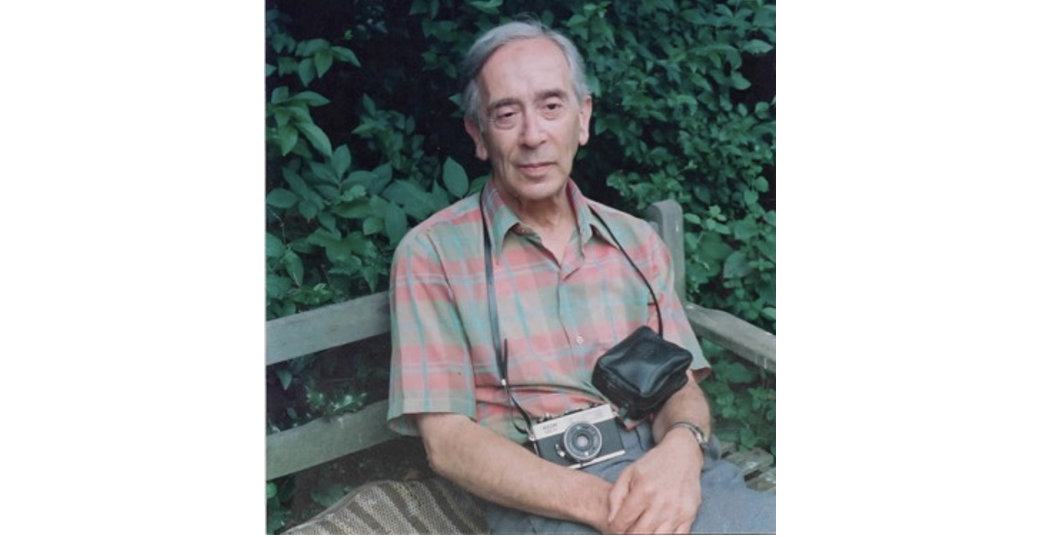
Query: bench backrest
{"type": "Point", "coordinates": [332, 326]}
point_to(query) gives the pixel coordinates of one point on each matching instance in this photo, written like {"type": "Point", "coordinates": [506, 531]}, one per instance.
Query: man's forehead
{"type": "Point", "coordinates": [535, 65]}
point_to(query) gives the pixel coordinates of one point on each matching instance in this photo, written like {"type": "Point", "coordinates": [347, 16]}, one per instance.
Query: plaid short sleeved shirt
{"type": "Point", "coordinates": [556, 318]}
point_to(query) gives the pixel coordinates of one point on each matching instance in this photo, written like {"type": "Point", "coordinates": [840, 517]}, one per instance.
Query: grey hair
{"type": "Point", "coordinates": [493, 39]}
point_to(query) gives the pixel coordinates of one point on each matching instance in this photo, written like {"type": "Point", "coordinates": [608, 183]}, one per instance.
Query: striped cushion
{"type": "Point", "coordinates": [429, 506]}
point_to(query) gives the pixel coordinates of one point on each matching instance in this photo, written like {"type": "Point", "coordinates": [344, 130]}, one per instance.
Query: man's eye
{"type": "Point", "coordinates": [505, 120]}
{"type": "Point", "coordinates": [553, 109]}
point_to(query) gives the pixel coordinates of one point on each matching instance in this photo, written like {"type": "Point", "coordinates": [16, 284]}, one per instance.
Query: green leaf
{"type": "Point", "coordinates": [756, 46]}
{"type": "Point", "coordinates": [310, 98]}
{"type": "Point", "coordinates": [324, 173]}
{"type": "Point", "coordinates": [394, 223]}
{"type": "Point", "coordinates": [712, 247]}
{"type": "Point", "coordinates": [767, 248]}
{"type": "Point", "coordinates": [341, 161]}
{"type": "Point", "coordinates": [312, 46]}
{"type": "Point", "coordinates": [489, 8]}
{"type": "Point", "coordinates": [285, 378]}
{"type": "Point", "coordinates": [438, 196]}
{"type": "Point", "coordinates": [270, 490]}
{"type": "Point", "coordinates": [750, 197]}
{"type": "Point", "coordinates": [744, 229]}
{"type": "Point", "coordinates": [328, 221]}
{"type": "Point", "coordinates": [736, 265]}
{"type": "Point", "coordinates": [280, 94]}
{"type": "Point", "coordinates": [739, 82]}
{"type": "Point", "coordinates": [269, 69]}
{"type": "Point", "coordinates": [747, 438]}
{"type": "Point", "coordinates": [740, 373]}
{"type": "Point", "coordinates": [287, 138]}
{"type": "Point", "coordinates": [341, 251]}
{"type": "Point", "coordinates": [282, 116]}
{"type": "Point", "coordinates": [286, 65]}
{"type": "Point", "coordinates": [277, 286]}
{"type": "Point", "coordinates": [369, 105]}
{"type": "Point", "coordinates": [769, 313]}
{"type": "Point", "coordinates": [360, 177]}
{"type": "Point", "coordinates": [455, 178]}
{"type": "Point", "coordinates": [354, 193]}
{"type": "Point", "coordinates": [766, 16]}
{"type": "Point", "coordinates": [273, 246]}
{"type": "Point", "coordinates": [382, 175]}
{"type": "Point", "coordinates": [418, 7]}
{"type": "Point", "coordinates": [323, 62]}
{"type": "Point", "coordinates": [306, 71]}
{"type": "Point", "coordinates": [282, 199]}
{"type": "Point", "coordinates": [477, 184]}
{"type": "Point", "coordinates": [317, 137]}
{"type": "Point", "coordinates": [308, 209]}
{"type": "Point", "coordinates": [373, 225]}
{"type": "Point", "coordinates": [416, 202]}
{"type": "Point", "coordinates": [345, 55]}
{"type": "Point", "coordinates": [354, 210]}
{"type": "Point", "coordinates": [299, 187]}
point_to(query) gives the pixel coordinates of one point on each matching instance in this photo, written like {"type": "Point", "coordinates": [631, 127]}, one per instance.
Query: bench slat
{"type": "Point", "coordinates": [324, 440]}
{"type": "Point", "coordinates": [734, 334]}
{"type": "Point", "coordinates": [765, 482]}
{"type": "Point", "coordinates": [667, 219]}
{"type": "Point", "coordinates": [327, 327]}
{"type": "Point", "coordinates": [752, 461]}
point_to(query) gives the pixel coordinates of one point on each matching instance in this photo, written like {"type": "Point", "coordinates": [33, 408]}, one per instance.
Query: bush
{"type": "Point", "coordinates": [365, 139]}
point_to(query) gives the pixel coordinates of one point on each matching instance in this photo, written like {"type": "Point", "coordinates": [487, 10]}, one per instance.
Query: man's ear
{"type": "Point", "coordinates": [476, 136]}
{"type": "Point", "coordinates": [585, 119]}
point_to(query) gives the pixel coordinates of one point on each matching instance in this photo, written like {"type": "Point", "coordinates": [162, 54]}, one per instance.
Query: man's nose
{"type": "Point", "coordinates": [533, 131]}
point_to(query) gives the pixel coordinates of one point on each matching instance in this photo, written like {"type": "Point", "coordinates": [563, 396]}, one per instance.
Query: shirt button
{"type": "Point", "coordinates": [579, 340]}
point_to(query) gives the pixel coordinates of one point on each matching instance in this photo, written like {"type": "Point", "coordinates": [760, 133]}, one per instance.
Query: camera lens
{"type": "Point", "coordinates": [582, 441]}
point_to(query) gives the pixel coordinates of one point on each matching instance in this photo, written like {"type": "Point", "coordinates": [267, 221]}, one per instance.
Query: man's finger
{"type": "Point", "coordinates": [619, 491]}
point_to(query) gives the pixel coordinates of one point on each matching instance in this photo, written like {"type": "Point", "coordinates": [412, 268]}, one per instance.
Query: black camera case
{"type": "Point", "coordinates": [641, 372]}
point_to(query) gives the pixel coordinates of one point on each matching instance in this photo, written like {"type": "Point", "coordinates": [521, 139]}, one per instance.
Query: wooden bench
{"type": "Point", "coordinates": [434, 505]}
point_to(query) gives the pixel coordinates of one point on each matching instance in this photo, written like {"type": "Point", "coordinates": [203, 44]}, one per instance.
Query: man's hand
{"type": "Point", "coordinates": [660, 492]}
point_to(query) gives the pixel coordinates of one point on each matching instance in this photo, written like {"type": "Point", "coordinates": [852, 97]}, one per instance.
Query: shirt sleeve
{"type": "Point", "coordinates": [431, 369]}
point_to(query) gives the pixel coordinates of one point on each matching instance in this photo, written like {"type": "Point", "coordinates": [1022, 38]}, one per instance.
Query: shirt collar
{"type": "Point", "coordinates": [502, 219]}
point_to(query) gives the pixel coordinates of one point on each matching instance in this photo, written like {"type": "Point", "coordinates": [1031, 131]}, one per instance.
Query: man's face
{"type": "Point", "coordinates": [533, 124]}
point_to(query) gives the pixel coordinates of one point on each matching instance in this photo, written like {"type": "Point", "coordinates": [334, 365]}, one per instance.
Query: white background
{"type": "Point", "coordinates": [133, 259]}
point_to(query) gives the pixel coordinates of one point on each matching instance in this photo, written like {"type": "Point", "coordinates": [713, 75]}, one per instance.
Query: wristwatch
{"type": "Point", "coordinates": [701, 438]}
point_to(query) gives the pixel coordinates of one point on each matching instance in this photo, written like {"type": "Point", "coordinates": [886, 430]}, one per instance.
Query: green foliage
{"type": "Point", "coordinates": [333, 223]}
{"type": "Point", "coordinates": [743, 400]}
{"type": "Point", "coordinates": [674, 117]}
{"type": "Point", "coordinates": [364, 140]}
{"type": "Point", "coordinates": [278, 494]}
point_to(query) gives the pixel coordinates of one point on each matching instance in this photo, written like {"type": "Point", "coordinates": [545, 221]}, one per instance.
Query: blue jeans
{"type": "Point", "coordinates": [728, 506]}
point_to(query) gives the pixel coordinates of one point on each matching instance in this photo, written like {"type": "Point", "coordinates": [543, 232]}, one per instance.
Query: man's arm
{"type": "Point", "coordinates": [660, 493]}
{"type": "Point", "coordinates": [501, 471]}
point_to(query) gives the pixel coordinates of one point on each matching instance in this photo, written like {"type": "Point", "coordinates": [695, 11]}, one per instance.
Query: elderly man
{"type": "Point", "coordinates": [502, 303]}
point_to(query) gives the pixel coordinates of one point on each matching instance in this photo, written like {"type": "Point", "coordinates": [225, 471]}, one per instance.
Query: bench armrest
{"type": "Point", "coordinates": [734, 334]}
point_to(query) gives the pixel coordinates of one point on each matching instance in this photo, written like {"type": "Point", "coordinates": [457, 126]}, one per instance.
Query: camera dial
{"type": "Point", "coordinates": [582, 441]}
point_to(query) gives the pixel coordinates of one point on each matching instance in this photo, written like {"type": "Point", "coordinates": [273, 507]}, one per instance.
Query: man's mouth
{"type": "Point", "coordinates": [535, 168]}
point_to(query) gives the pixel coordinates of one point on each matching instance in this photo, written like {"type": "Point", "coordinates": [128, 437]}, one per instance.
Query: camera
{"type": "Point", "coordinates": [580, 438]}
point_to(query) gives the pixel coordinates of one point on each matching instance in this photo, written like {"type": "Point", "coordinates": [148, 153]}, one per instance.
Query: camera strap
{"type": "Point", "coordinates": [499, 345]}
{"type": "Point", "coordinates": [659, 316]}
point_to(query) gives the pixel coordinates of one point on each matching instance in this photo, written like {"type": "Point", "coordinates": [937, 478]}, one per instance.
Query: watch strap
{"type": "Point", "coordinates": [701, 437]}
